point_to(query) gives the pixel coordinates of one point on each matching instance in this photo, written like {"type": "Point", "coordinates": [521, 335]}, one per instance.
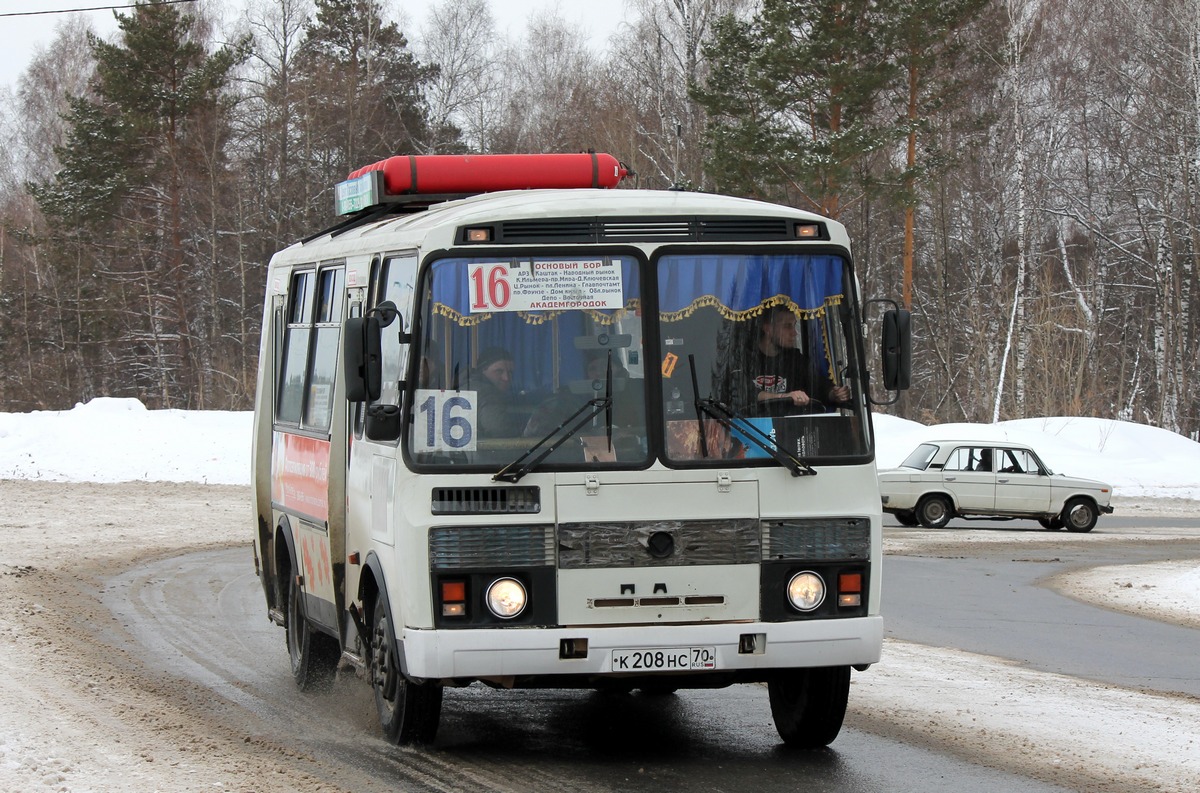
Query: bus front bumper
{"type": "Point", "coordinates": [505, 653]}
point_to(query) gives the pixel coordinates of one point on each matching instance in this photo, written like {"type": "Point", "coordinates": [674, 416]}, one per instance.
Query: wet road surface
{"type": "Point", "coordinates": [202, 617]}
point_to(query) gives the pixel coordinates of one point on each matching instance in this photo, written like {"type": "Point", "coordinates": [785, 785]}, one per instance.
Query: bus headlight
{"type": "Point", "coordinates": [506, 598]}
{"type": "Point", "coordinates": [806, 591]}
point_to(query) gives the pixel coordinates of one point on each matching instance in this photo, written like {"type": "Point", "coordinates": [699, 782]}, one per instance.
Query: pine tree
{"type": "Point", "coordinates": [793, 97]}
{"type": "Point", "coordinates": [131, 196]}
{"type": "Point", "coordinates": [362, 94]}
{"type": "Point", "coordinates": [928, 47]}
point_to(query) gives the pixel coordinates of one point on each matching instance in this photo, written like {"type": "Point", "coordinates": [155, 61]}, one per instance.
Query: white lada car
{"type": "Point", "coordinates": [942, 480]}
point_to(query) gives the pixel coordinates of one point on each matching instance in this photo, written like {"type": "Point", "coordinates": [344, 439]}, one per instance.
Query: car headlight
{"type": "Point", "coordinates": [806, 591]}
{"type": "Point", "coordinates": [506, 598]}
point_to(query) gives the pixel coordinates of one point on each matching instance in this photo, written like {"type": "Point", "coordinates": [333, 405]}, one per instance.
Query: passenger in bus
{"type": "Point", "coordinates": [429, 368]}
{"type": "Point", "coordinates": [627, 407]}
{"type": "Point", "coordinates": [774, 375]}
{"type": "Point", "coordinates": [496, 411]}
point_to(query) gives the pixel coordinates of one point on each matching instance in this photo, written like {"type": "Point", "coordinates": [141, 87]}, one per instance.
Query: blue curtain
{"type": "Point", "coordinates": [740, 286]}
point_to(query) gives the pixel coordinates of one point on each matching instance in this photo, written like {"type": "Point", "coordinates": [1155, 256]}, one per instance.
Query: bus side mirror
{"type": "Point", "coordinates": [897, 349]}
{"type": "Point", "coordinates": [362, 358]}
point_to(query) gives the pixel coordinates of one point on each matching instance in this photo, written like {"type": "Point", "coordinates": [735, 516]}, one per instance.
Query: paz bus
{"type": "Point", "coordinates": [516, 428]}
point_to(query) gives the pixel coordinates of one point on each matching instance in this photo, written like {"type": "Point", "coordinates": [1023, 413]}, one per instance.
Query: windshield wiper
{"type": "Point", "coordinates": [726, 416]}
{"type": "Point", "coordinates": [523, 464]}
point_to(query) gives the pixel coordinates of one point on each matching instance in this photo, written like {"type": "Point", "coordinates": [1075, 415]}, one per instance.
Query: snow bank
{"type": "Point", "coordinates": [119, 440]}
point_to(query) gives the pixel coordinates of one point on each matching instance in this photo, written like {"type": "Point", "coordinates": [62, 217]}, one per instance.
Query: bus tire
{"type": "Point", "coordinates": [935, 511]}
{"type": "Point", "coordinates": [313, 655]}
{"type": "Point", "coordinates": [1080, 514]}
{"type": "Point", "coordinates": [409, 712]}
{"type": "Point", "coordinates": [809, 705]}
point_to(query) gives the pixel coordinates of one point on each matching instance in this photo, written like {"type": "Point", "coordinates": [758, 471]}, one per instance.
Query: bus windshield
{"type": "Point", "coordinates": [517, 350]}
{"type": "Point", "coordinates": [511, 348]}
{"type": "Point", "coordinates": [765, 338]}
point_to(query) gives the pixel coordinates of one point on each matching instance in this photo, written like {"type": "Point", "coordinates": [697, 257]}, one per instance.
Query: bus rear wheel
{"type": "Point", "coordinates": [409, 712]}
{"type": "Point", "coordinates": [809, 705]}
{"type": "Point", "coordinates": [313, 655]}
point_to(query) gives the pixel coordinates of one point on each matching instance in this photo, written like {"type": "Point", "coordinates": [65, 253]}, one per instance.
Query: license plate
{"type": "Point", "coordinates": [674, 659]}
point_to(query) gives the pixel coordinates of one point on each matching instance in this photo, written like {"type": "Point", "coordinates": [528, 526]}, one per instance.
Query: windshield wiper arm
{"type": "Point", "coordinates": [586, 412]}
{"type": "Point", "coordinates": [726, 416]}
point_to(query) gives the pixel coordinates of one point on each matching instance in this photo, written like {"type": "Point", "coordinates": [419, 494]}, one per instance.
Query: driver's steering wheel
{"type": "Point", "coordinates": [785, 407]}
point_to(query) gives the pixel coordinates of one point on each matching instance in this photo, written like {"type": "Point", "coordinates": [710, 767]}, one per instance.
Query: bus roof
{"type": "Point", "coordinates": [434, 228]}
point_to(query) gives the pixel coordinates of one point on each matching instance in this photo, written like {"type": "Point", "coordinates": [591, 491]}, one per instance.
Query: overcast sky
{"type": "Point", "coordinates": [21, 36]}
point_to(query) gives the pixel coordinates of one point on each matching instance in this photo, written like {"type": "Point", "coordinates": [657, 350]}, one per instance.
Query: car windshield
{"type": "Point", "coordinates": [510, 348]}
{"type": "Point", "coordinates": [920, 457]}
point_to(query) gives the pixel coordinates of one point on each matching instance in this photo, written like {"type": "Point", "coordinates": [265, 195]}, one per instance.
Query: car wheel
{"type": "Point", "coordinates": [1080, 515]}
{"type": "Point", "coordinates": [1051, 524]}
{"type": "Point", "coordinates": [907, 518]}
{"type": "Point", "coordinates": [934, 512]}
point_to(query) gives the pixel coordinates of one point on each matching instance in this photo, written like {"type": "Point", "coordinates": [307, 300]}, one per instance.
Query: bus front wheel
{"type": "Point", "coordinates": [808, 705]}
{"type": "Point", "coordinates": [409, 712]}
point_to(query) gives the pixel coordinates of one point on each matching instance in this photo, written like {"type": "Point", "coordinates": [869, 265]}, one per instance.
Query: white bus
{"type": "Point", "coordinates": [569, 437]}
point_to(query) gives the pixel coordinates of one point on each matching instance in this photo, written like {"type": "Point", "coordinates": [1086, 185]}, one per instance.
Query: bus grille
{"type": "Point", "coordinates": [466, 547]}
{"type": "Point", "coordinates": [693, 542]}
{"type": "Point", "coordinates": [817, 539]}
{"type": "Point", "coordinates": [486, 500]}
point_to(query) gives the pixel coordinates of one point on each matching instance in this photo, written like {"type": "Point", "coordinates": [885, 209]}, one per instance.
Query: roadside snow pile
{"type": "Point", "coordinates": [1137, 460]}
{"type": "Point", "coordinates": [119, 440]}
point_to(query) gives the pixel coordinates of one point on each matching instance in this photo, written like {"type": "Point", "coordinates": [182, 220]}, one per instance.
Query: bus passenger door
{"type": "Point", "coordinates": [373, 462]}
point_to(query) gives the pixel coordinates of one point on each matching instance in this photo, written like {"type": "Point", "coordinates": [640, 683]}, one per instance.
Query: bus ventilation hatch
{"type": "Point", "coordinates": [644, 229]}
{"type": "Point", "coordinates": [486, 500]}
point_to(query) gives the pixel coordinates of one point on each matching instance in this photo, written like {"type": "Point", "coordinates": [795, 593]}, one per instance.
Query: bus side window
{"type": "Point", "coordinates": [290, 386]}
{"type": "Point", "coordinates": [318, 406]}
{"type": "Point", "coordinates": [310, 348]}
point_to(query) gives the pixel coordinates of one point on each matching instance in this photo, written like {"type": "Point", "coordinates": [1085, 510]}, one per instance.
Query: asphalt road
{"type": "Point", "coordinates": [201, 617]}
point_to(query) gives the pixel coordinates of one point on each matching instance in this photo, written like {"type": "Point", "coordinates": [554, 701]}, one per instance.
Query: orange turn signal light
{"type": "Point", "coordinates": [454, 598]}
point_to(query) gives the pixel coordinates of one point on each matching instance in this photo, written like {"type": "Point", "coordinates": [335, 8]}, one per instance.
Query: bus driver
{"type": "Point", "coordinates": [775, 373]}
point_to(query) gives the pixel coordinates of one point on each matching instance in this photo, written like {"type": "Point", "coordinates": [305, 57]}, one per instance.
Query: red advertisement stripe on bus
{"type": "Point", "coordinates": [300, 474]}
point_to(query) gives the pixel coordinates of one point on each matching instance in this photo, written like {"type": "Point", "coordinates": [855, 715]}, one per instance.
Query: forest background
{"type": "Point", "coordinates": [1024, 174]}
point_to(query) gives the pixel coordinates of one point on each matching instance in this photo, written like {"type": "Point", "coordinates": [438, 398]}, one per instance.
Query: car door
{"type": "Point", "coordinates": [969, 477]}
{"type": "Point", "coordinates": [1022, 486]}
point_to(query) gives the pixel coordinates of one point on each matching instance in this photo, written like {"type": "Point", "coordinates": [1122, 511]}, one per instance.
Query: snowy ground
{"type": "Point", "coordinates": [74, 721]}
